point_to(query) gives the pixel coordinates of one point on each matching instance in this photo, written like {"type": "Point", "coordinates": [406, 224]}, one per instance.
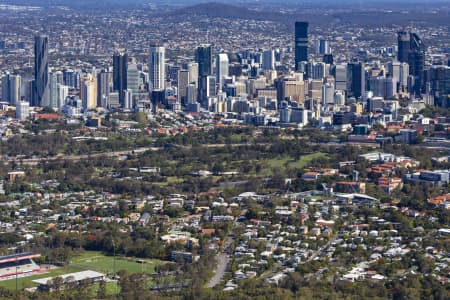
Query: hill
{"type": "Point", "coordinates": [227, 11]}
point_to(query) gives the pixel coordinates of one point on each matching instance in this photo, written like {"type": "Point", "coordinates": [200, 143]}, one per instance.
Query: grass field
{"type": "Point", "coordinates": [98, 262]}
{"type": "Point", "coordinates": [89, 260]}
{"type": "Point", "coordinates": [170, 180]}
{"type": "Point", "coordinates": [281, 162]}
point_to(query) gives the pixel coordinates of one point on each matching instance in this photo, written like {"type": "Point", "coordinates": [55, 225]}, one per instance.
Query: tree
{"type": "Point", "coordinates": [56, 283]}
{"type": "Point", "coordinates": [101, 292]}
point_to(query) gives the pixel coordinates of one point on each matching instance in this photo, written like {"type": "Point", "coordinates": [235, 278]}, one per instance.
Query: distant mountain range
{"type": "Point", "coordinates": [178, 3]}
{"type": "Point", "coordinates": [221, 10]}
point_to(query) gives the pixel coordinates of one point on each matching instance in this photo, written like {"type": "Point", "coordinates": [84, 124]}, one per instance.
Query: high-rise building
{"type": "Point", "coordinates": [403, 46]}
{"type": "Point", "coordinates": [268, 61]}
{"type": "Point", "coordinates": [104, 84]}
{"type": "Point", "coordinates": [301, 43]}
{"type": "Point", "coordinates": [55, 79]}
{"type": "Point", "coordinates": [120, 66]}
{"type": "Point", "coordinates": [211, 86]}
{"type": "Point", "coordinates": [191, 94]}
{"type": "Point", "coordinates": [128, 97]}
{"type": "Point", "coordinates": [416, 61]}
{"type": "Point", "coordinates": [11, 88]}
{"type": "Point", "coordinates": [41, 91]}
{"type": "Point", "coordinates": [327, 94]}
{"type": "Point", "coordinates": [382, 86]}
{"type": "Point", "coordinates": [22, 110]}
{"type": "Point", "coordinates": [71, 78]}
{"type": "Point", "coordinates": [157, 68]}
{"type": "Point", "coordinates": [328, 59]}
{"type": "Point", "coordinates": [203, 56]}
{"type": "Point", "coordinates": [222, 64]}
{"type": "Point", "coordinates": [133, 78]}
{"type": "Point", "coordinates": [291, 89]}
{"type": "Point", "coordinates": [182, 83]}
{"type": "Point", "coordinates": [411, 49]}
{"type": "Point", "coordinates": [394, 70]}
{"type": "Point", "coordinates": [440, 85]}
{"type": "Point", "coordinates": [356, 79]}
{"type": "Point", "coordinates": [403, 79]}
{"type": "Point", "coordinates": [88, 92]}
{"type": "Point", "coordinates": [340, 75]}
{"type": "Point", "coordinates": [192, 67]}
{"type": "Point", "coordinates": [317, 70]}
{"type": "Point", "coordinates": [322, 47]}
{"type": "Point", "coordinates": [63, 93]}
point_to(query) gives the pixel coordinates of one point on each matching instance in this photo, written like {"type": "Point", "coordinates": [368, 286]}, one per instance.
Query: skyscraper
{"type": "Point", "coordinates": [327, 94]}
{"type": "Point", "coordinates": [301, 43]}
{"type": "Point", "coordinates": [356, 79]}
{"type": "Point", "coordinates": [412, 50]}
{"type": "Point", "coordinates": [203, 56]}
{"type": "Point", "coordinates": [404, 73]}
{"type": "Point", "coordinates": [120, 67]}
{"type": "Point", "coordinates": [63, 93]}
{"type": "Point", "coordinates": [193, 73]}
{"type": "Point", "coordinates": [403, 46]}
{"type": "Point", "coordinates": [55, 78]}
{"type": "Point", "coordinates": [182, 83]}
{"type": "Point", "coordinates": [440, 85]}
{"type": "Point", "coordinates": [41, 93]}
{"type": "Point", "coordinates": [211, 84]}
{"type": "Point", "coordinates": [416, 61]}
{"type": "Point", "coordinates": [339, 72]}
{"type": "Point", "coordinates": [222, 64]}
{"type": "Point", "coordinates": [88, 92]}
{"type": "Point", "coordinates": [322, 47]}
{"type": "Point", "coordinates": [157, 68]}
{"type": "Point", "coordinates": [133, 78]}
{"type": "Point", "coordinates": [11, 88]}
{"type": "Point", "coordinates": [268, 61]}
{"type": "Point", "coordinates": [104, 79]}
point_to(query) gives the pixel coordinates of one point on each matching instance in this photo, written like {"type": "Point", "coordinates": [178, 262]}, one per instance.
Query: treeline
{"type": "Point", "coordinates": [51, 144]}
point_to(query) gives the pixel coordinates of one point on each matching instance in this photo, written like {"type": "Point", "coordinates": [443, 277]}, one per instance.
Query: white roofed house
{"type": "Point", "coordinates": [144, 219]}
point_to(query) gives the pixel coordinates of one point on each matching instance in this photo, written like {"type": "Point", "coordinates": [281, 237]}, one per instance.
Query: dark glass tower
{"type": "Point", "coordinates": [412, 51]}
{"type": "Point", "coordinates": [356, 79]}
{"type": "Point", "coordinates": [328, 59]}
{"type": "Point", "coordinates": [203, 56]}
{"type": "Point", "coordinates": [416, 61]}
{"type": "Point", "coordinates": [120, 66]}
{"type": "Point", "coordinates": [440, 85]}
{"type": "Point", "coordinates": [403, 46]}
{"type": "Point", "coordinates": [41, 90]}
{"type": "Point", "coordinates": [301, 43]}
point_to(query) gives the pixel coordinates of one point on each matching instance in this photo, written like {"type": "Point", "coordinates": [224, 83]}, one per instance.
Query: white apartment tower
{"type": "Point", "coordinates": [157, 68]}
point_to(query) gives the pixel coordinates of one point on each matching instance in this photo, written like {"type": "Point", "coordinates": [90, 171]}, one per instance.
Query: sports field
{"type": "Point", "coordinates": [89, 260]}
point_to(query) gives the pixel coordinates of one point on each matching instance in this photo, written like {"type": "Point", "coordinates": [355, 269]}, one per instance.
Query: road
{"type": "Point", "coordinates": [222, 263]}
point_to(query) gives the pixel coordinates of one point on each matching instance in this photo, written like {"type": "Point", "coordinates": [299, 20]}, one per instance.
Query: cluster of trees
{"type": "Point", "coordinates": [51, 144]}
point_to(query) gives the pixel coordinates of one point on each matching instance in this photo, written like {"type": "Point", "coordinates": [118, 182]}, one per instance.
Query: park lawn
{"type": "Point", "coordinates": [279, 162]}
{"type": "Point", "coordinates": [99, 262]}
{"type": "Point", "coordinates": [174, 179]}
{"type": "Point", "coordinates": [89, 260]}
{"type": "Point", "coordinates": [169, 180]}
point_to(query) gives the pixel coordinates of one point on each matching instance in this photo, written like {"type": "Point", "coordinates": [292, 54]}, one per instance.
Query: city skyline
{"type": "Point", "coordinates": [210, 150]}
